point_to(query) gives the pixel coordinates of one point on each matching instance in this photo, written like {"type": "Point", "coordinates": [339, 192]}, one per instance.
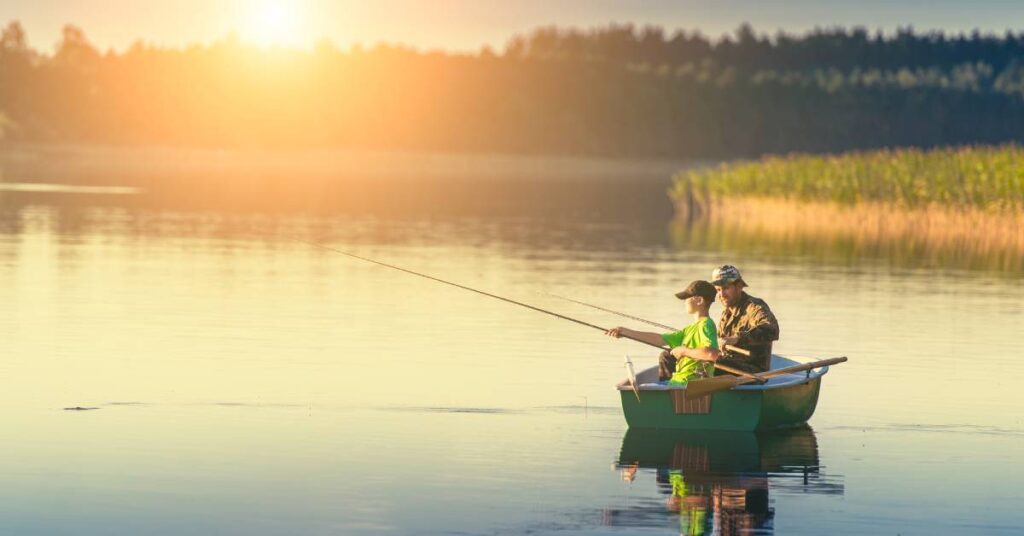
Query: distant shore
{"type": "Point", "coordinates": [333, 180]}
{"type": "Point", "coordinates": [960, 201]}
{"type": "Point", "coordinates": [22, 162]}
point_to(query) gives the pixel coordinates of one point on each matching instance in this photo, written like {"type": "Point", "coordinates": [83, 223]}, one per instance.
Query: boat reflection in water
{"type": "Point", "coordinates": [718, 482]}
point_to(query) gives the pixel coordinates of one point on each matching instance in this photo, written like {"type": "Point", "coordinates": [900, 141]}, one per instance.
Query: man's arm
{"type": "Point", "coordinates": [645, 336]}
{"type": "Point", "coordinates": [764, 328]}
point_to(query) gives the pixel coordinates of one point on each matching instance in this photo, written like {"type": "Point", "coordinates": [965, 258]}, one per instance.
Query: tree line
{"type": "Point", "coordinates": [823, 48]}
{"type": "Point", "coordinates": [618, 90]}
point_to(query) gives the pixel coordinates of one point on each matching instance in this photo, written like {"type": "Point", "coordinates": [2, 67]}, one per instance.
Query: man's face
{"type": "Point", "coordinates": [729, 293]}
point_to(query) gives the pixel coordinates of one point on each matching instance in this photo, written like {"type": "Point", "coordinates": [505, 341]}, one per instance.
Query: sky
{"type": "Point", "coordinates": [466, 25]}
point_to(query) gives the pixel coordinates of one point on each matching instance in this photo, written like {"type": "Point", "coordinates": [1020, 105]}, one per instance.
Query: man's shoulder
{"type": "Point", "coordinates": [756, 303]}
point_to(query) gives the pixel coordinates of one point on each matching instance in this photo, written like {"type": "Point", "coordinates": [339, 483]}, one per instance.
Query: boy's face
{"type": "Point", "coordinates": [694, 304]}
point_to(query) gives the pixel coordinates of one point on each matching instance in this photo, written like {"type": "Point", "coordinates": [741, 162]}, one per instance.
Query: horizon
{"type": "Point", "coordinates": [118, 25]}
{"type": "Point", "coordinates": [327, 267]}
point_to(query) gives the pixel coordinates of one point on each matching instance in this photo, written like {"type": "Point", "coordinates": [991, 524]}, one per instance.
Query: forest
{"type": "Point", "coordinates": [617, 91]}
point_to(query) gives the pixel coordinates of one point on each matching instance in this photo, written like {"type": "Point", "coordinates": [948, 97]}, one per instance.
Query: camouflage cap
{"type": "Point", "coordinates": [698, 288]}
{"type": "Point", "coordinates": [725, 274]}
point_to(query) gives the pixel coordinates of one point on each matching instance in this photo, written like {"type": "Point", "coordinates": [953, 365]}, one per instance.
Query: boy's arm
{"type": "Point", "coordinates": [645, 336]}
{"type": "Point", "coordinates": [700, 354]}
{"type": "Point", "coordinates": [708, 350]}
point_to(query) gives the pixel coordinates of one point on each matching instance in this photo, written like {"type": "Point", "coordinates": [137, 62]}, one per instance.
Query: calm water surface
{"type": "Point", "coordinates": [246, 382]}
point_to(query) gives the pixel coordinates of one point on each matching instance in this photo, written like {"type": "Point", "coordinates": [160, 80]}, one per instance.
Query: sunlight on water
{"type": "Point", "coordinates": [65, 188]}
{"type": "Point", "coordinates": [246, 381]}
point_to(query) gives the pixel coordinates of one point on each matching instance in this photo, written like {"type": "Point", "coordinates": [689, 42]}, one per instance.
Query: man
{"type": "Point", "coordinates": [746, 322]}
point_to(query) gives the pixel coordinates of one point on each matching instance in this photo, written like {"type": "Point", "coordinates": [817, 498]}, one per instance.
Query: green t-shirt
{"type": "Point", "coordinates": [700, 334]}
{"type": "Point", "coordinates": [692, 519]}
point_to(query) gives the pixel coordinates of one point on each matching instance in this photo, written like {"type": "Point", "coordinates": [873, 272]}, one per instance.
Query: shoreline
{"type": "Point", "coordinates": [935, 231]}
{"type": "Point", "coordinates": [331, 162]}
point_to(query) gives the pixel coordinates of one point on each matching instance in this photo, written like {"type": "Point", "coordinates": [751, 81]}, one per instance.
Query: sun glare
{"type": "Point", "coordinates": [275, 23]}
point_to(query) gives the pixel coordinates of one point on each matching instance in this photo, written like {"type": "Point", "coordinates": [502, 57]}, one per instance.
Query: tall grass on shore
{"type": "Point", "coordinates": [977, 177]}
{"type": "Point", "coordinates": [850, 235]}
{"type": "Point", "coordinates": [943, 204]}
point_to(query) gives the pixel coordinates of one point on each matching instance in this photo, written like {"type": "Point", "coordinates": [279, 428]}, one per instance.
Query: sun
{"type": "Point", "coordinates": [275, 23]}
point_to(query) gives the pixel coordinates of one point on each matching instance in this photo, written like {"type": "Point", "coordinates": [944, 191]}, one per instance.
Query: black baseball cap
{"type": "Point", "coordinates": [698, 288]}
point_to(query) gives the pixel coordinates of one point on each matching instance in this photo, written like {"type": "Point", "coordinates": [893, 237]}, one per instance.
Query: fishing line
{"type": "Point", "coordinates": [624, 315]}
{"type": "Point", "coordinates": [508, 300]}
{"type": "Point", "coordinates": [471, 289]}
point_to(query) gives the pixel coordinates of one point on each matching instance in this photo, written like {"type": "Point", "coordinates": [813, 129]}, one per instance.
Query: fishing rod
{"type": "Point", "coordinates": [471, 289]}
{"type": "Point", "coordinates": [624, 315]}
{"type": "Point", "coordinates": [670, 328]}
{"type": "Point", "coordinates": [514, 302]}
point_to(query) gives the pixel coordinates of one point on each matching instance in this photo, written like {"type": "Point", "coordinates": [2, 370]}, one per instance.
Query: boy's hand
{"type": "Point", "coordinates": [617, 332]}
{"type": "Point", "coordinates": [678, 352]}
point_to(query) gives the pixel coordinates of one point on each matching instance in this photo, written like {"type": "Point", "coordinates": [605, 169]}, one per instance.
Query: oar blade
{"type": "Point", "coordinates": [631, 375]}
{"type": "Point", "coordinates": [699, 388]}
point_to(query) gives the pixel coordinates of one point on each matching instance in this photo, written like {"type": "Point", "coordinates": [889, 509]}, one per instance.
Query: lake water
{"type": "Point", "coordinates": [246, 381]}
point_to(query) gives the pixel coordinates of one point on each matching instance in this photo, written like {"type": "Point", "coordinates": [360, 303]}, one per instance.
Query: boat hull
{"type": "Point", "coordinates": [783, 406]}
{"type": "Point", "coordinates": [722, 452]}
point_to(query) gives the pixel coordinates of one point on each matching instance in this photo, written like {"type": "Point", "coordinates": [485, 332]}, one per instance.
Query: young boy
{"type": "Point", "coordinates": [683, 363]}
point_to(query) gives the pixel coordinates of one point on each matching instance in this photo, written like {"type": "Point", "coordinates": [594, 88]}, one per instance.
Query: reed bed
{"type": "Point", "coordinates": [945, 203]}
{"type": "Point", "coordinates": [930, 237]}
{"type": "Point", "coordinates": [985, 177]}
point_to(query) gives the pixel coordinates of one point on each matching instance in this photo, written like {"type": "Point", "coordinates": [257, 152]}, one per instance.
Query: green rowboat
{"type": "Point", "coordinates": [784, 401]}
{"type": "Point", "coordinates": [721, 453]}
{"type": "Point", "coordinates": [717, 482]}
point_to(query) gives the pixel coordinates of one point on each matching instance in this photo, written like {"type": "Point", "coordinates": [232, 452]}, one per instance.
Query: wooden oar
{"type": "Point", "coordinates": [631, 376]}
{"type": "Point", "coordinates": [731, 370]}
{"type": "Point", "coordinates": [699, 388]}
{"type": "Point", "coordinates": [736, 349]}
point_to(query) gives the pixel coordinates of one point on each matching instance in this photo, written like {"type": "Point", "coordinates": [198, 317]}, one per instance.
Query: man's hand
{"type": "Point", "coordinates": [678, 352]}
{"type": "Point", "coordinates": [730, 341]}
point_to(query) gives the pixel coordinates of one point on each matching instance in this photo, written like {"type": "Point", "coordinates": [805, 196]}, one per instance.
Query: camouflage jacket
{"type": "Point", "coordinates": [754, 324]}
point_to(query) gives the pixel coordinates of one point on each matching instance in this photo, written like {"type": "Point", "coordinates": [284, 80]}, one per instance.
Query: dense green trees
{"type": "Point", "coordinates": [617, 90]}
{"type": "Point", "coordinates": [832, 48]}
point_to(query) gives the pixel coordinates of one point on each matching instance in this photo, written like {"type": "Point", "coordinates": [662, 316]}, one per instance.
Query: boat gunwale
{"type": "Point", "coordinates": [778, 382]}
